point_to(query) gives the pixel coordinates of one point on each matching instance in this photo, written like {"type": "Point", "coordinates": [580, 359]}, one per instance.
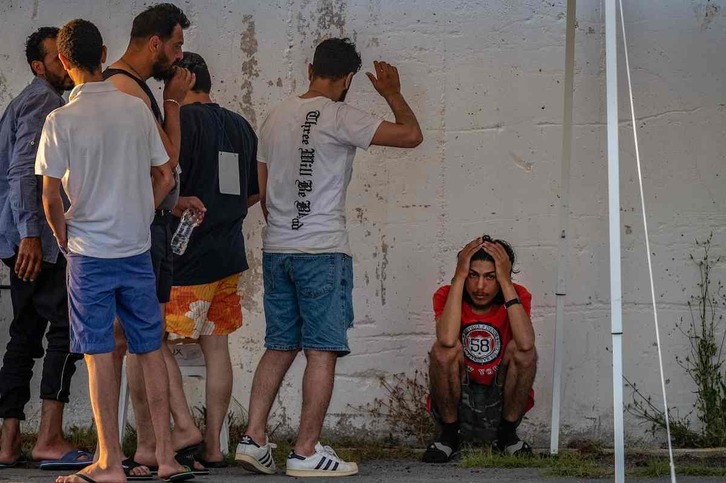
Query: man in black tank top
{"type": "Point", "coordinates": [154, 48]}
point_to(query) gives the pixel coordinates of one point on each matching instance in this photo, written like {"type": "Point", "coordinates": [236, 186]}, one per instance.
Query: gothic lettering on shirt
{"type": "Point", "coordinates": [307, 159]}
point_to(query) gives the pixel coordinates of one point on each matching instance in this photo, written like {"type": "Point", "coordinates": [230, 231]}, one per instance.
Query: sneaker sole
{"type": "Point", "coordinates": [252, 465]}
{"type": "Point", "coordinates": [320, 473]}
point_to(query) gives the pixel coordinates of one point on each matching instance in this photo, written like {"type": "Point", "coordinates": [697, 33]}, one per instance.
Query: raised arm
{"type": "Point", "coordinates": [522, 330]}
{"type": "Point", "coordinates": [405, 132]}
{"type": "Point", "coordinates": [175, 90]}
{"type": "Point", "coordinates": [448, 324]}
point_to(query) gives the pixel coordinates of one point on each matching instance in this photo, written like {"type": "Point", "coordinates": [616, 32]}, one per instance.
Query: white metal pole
{"type": "Point", "coordinates": [616, 307]}
{"type": "Point", "coordinates": [562, 267]}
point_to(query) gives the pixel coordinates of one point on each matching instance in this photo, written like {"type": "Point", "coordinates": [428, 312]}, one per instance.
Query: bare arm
{"type": "Point", "coordinates": [54, 209]}
{"type": "Point", "coordinates": [405, 132]}
{"type": "Point", "coordinates": [162, 181]}
{"type": "Point", "coordinates": [252, 200]}
{"type": "Point", "coordinates": [449, 324]}
{"type": "Point", "coordinates": [262, 181]}
{"type": "Point", "coordinates": [519, 321]}
{"type": "Point", "coordinates": [176, 88]}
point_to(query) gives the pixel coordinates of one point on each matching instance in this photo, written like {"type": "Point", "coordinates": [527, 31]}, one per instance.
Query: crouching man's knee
{"type": "Point", "coordinates": [443, 356]}
{"type": "Point", "coordinates": [523, 360]}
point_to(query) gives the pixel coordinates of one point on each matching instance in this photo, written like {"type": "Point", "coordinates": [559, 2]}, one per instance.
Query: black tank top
{"type": "Point", "coordinates": [169, 202]}
{"type": "Point", "coordinates": [147, 90]}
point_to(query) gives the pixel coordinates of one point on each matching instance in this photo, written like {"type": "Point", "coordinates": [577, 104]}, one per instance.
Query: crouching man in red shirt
{"type": "Point", "coordinates": [483, 362]}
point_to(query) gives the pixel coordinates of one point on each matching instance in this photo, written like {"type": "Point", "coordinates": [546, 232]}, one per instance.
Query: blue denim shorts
{"type": "Point", "coordinates": [308, 301]}
{"type": "Point", "coordinates": [100, 288]}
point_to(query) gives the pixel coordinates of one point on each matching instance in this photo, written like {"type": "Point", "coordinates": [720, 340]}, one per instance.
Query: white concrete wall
{"type": "Point", "coordinates": [485, 79]}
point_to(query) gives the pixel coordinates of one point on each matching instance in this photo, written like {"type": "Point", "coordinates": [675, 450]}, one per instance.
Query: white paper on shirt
{"type": "Point", "coordinates": [229, 173]}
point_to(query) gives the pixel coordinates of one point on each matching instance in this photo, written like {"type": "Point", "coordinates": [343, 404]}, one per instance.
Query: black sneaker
{"type": "Point", "coordinates": [440, 452]}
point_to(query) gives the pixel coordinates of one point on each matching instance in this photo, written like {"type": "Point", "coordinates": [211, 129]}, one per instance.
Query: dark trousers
{"type": "Point", "coordinates": [36, 305]}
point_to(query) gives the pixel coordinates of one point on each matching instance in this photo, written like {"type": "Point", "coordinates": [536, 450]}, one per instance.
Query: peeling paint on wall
{"type": "Point", "coordinates": [250, 69]}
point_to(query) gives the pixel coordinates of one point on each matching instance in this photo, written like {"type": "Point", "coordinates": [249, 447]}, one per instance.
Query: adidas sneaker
{"type": "Point", "coordinates": [324, 462]}
{"type": "Point", "coordinates": [255, 458]}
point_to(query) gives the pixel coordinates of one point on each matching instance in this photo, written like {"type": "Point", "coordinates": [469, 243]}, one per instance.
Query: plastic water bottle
{"type": "Point", "coordinates": [183, 233]}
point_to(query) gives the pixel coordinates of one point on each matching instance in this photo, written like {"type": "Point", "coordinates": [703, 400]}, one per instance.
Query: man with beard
{"type": "Point", "coordinates": [307, 146]}
{"type": "Point", "coordinates": [154, 47]}
{"type": "Point", "coordinates": [37, 271]}
{"type": "Point", "coordinates": [484, 361]}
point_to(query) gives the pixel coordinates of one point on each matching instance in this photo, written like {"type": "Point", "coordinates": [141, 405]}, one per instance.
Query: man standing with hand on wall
{"type": "Point", "coordinates": [307, 146]}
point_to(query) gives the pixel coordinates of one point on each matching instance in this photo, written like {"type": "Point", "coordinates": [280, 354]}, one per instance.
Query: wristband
{"type": "Point", "coordinates": [173, 100]}
{"type": "Point", "coordinates": [512, 302]}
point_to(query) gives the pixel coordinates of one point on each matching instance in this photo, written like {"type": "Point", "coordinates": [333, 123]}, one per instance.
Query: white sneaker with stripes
{"type": "Point", "coordinates": [323, 463]}
{"type": "Point", "coordinates": [256, 458]}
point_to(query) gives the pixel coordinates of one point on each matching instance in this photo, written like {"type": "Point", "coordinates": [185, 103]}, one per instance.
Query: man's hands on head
{"type": "Point", "coordinates": [30, 259]}
{"type": "Point", "coordinates": [386, 80]}
{"type": "Point", "coordinates": [190, 203]}
{"type": "Point", "coordinates": [464, 259]}
{"type": "Point", "coordinates": [502, 263]}
{"type": "Point", "coordinates": [179, 84]}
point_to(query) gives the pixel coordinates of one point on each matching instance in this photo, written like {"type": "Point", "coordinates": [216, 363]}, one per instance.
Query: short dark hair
{"type": "Point", "coordinates": [484, 256]}
{"type": "Point", "coordinates": [34, 44]}
{"type": "Point", "coordinates": [81, 43]}
{"type": "Point", "coordinates": [196, 64]}
{"type": "Point", "coordinates": [335, 58]}
{"type": "Point", "coordinates": [158, 20]}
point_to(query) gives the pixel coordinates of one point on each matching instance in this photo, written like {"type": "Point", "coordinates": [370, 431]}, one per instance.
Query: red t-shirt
{"type": "Point", "coordinates": [483, 336]}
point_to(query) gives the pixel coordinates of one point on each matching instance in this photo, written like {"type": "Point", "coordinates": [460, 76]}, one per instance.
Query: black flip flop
{"type": "Point", "coordinates": [130, 463]}
{"type": "Point", "coordinates": [132, 477]}
{"type": "Point", "coordinates": [186, 457]}
{"type": "Point", "coordinates": [22, 460]}
{"type": "Point", "coordinates": [88, 479]}
{"type": "Point", "coordinates": [181, 476]}
{"type": "Point", "coordinates": [213, 464]}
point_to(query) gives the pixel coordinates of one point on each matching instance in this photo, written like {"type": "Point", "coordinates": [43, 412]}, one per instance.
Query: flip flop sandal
{"type": "Point", "coordinates": [130, 464]}
{"type": "Point", "coordinates": [22, 460]}
{"type": "Point", "coordinates": [132, 477]}
{"type": "Point", "coordinates": [85, 478]}
{"type": "Point", "coordinates": [69, 461]}
{"type": "Point", "coordinates": [185, 457]}
{"type": "Point", "coordinates": [213, 464]}
{"type": "Point", "coordinates": [181, 476]}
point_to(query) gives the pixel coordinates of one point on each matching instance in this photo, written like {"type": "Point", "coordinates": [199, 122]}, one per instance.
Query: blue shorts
{"type": "Point", "coordinates": [308, 301]}
{"type": "Point", "coordinates": [100, 288]}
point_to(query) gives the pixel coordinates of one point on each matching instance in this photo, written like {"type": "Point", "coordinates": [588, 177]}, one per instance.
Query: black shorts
{"type": "Point", "coordinates": [162, 258]}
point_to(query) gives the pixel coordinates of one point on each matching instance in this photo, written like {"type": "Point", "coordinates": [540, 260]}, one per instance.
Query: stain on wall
{"type": "Point", "coordinates": [250, 69]}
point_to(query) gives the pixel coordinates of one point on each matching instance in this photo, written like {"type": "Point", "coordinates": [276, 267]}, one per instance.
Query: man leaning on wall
{"type": "Point", "coordinates": [37, 270]}
{"type": "Point", "coordinates": [307, 146]}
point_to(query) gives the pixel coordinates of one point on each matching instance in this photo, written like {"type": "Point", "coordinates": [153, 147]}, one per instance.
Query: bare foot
{"type": "Point", "coordinates": [54, 451]}
{"type": "Point", "coordinates": [96, 473]}
{"type": "Point", "coordinates": [166, 470]}
{"type": "Point", "coordinates": [181, 439]}
{"type": "Point", "coordinates": [10, 441]}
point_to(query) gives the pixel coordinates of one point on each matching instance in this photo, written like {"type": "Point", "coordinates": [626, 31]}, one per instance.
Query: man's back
{"type": "Point", "coordinates": [309, 146]}
{"type": "Point", "coordinates": [103, 144]}
{"type": "Point", "coordinates": [216, 248]}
